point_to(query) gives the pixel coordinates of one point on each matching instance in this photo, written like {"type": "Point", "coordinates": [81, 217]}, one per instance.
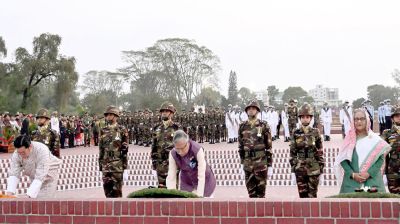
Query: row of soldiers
{"type": "Point", "coordinates": [208, 126]}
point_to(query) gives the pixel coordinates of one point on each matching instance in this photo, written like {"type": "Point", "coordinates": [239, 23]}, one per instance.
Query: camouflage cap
{"type": "Point", "coordinates": [167, 106]}
{"type": "Point", "coordinates": [395, 110]}
{"type": "Point", "coordinates": [43, 113]}
{"type": "Point", "coordinates": [306, 109]}
{"type": "Point", "coordinates": [253, 103]}
{"type": "Point", "coordinates": [112, 110]}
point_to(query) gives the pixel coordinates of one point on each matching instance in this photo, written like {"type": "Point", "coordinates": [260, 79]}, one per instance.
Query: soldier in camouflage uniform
{"type": "Point", "coordinates": [192, 125]}
{"type": "Point", "coordinates": [163, 134]}
{"type": "Point", "coordinates": [292, 116]}
{"type": "Point", "coordinates": [140, 128]}
{"type": "Point", "coordinates": [148, 126]}
{"type": "Point", "coordinates": [392, 136]}
{"type": "Point", "coordinates": [45, 134]}
{"type": "Point", "coordinates": [113, 156]}
{"type": "Point", "coordinates": [255, 143]}
{"type": "Point", "coordinates": [96, 130]}
{"type": "Point", "coordinates": [201, 125]}
{"type": "Point", "coordinates": [306, 155]}
{"type": "Point", "coordinates": [86, 125]}
{"type": "Point", "coordinates": [211, 124]}
{"type": "Point", "coordinates": [316, 118]}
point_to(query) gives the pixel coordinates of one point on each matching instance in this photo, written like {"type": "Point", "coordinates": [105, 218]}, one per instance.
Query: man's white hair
{"type": "Point", "coordinates": [180, 135]}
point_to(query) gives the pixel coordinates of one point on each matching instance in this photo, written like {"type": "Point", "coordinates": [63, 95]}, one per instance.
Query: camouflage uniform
{"type": "Point", "coordinates": [306, 157]}
{"type": "Point", "coordinates": [86, 122]}
{"type": "Point", "coordinates": [392, 169]}
{"type": "Point", "coordinates": [113, 156]}
{"type": "Point", "coordinates": [292, 116]}
{"type": "Point", "coordinates": [255, 143]}
{"type": "Point", "coordinates": [96, 130]}
{"type": "Point", "coordinates": [46, 135]}
{"type": "Point", "coordinates": [163, 134]}
{"type": "Point", "coordinates": [201, 125]}
{"type": "Point", "coordinates": [192, 125]}
{"type": "Point", "coordinates": [148, 126]}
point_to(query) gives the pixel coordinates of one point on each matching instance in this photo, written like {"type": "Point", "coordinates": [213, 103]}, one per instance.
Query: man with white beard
{"type": "Point", "coordinates": [285, 122]}
{"type": "Point", "coordinates": [230, 123]}
{"type": "Point", "coordinates": [326, 116]}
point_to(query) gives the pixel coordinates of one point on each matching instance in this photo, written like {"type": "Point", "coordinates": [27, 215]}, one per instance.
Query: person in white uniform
{"type": "Point", "coordinates": [34, 160]}
{"type": "Point", "coordinates": [285, 122]}
{"type": "Point", "coordinates": [326, 116]}
{"type": "Point", "coordinates": [346, 116]}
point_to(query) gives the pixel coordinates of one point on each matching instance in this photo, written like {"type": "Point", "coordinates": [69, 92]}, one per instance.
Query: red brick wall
{"type": "Point", "coordinates": [201, 211]}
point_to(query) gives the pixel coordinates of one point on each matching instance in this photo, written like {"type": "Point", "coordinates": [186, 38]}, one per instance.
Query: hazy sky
{"type": "Point", "coordinates": [343, 44]}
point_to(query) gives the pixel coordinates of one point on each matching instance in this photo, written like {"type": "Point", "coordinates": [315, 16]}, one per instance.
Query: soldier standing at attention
{"type": "Point", "coordinates": [113, 157]}
{"type": "Point", "coordinates": [45, 134]}
{"type": "Point", "coordinates": [96, 129]}
{"type": "Point", "coordinates": [163, 135]}
{"type": "Point", "coordinates": [292, 116]}
{"type": "Point", "coordinates": [392, 169]}
{"type": "Point", "coordinates": [255, 143]}
{"type": "Point", "coordinates": [86, 123]}
{"type": "Point", "coordinates": [306, 155]}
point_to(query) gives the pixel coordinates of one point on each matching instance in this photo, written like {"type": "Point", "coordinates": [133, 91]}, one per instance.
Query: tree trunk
{"type": "Point", "coordinates": [25, 98]}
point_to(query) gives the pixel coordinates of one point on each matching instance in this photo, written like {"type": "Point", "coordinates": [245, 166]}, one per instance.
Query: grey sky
{"type": "Point", "coordinates": [343, 44]}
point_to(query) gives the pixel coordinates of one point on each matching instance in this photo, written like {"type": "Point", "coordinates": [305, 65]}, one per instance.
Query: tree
{"type": "Point", "coordinates": [357, 103]}
{"type": "Point", "coordinates": [181, 67]}
{"type": "Point", "coordinates": [272, 92]}
{"type": "Point", "coordinates": [294, 93]}
{"type": "Point", "coordinates": [44, 64]}
{"type": "Point", "coordinates": [3, 49]}
{"type": "Point", "coordinates": [245, 95]}
{"type": "Point", "coordinates": [378, 93]}
{"type": "Point", "coordinates": [208, 97]}
{"type": "Point", "coordinates": [396, 76]}
{"type": "Point", "coordinates": [232, 90]}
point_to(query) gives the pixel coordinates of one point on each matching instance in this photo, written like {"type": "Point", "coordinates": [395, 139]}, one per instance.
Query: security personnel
{"type": "Point", "coordinates": [392, 136]}
{"type": "Point", "coordinates": [86, 125]}
{"type": "Point", "coordinates": [255, 143]}
{"type": "Point", "coordinates": [306, 155]}
{"type": "Point", "coordinates": [45, 134]}
{"type": "Point", "coordinates": [113, 157]}
{"type": "Point", "coordinates": [163, 134]}
{"type": "Point", "coordinates": [381, 117]}
{"type": "Point", "coordinates": [292, 116]}
{"type": "Point", "coordinates": [388, 114]}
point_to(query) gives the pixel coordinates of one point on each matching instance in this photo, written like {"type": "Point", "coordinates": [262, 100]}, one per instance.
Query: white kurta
{"type": "Point", "coordinates": [41, 167]}
{"type": "Point", "coordinates": [274, 120]}
{"type": "Point", "coordinates": [237, 124]}
{"type": "Point", "coordinates": [326, 116]}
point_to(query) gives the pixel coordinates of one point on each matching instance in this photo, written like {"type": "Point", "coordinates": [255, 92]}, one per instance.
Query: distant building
{"type": "Point", "coordinates": [263, 96]}
{"type": "Point", "coordinates": [322, 94]}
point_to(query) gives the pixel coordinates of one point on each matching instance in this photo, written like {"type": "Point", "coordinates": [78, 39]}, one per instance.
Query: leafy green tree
{"type": "Point", "coordinates": [272, 92]}
{"type": "Point", "coordinates": [44, 64]}
{"type": "Point", "coordinates": [245, 95]}
{"type": "Point", "coordinates": [232, 89]}
{"type": "Point", "coordinates": [294, 93]}
{"type": "Point", "coordinates": [357, 103]}
{"type": "Point", "coordinates": [378, 93]}
{"type": "Point", "coordinates": [180, 66]}
{"type": "Point", "coordinates": [208, 97]}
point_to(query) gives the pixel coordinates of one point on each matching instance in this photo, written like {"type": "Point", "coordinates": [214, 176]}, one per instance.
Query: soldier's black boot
{"type": "Point", "coordinates": [328, 138]}
{"type": "Point", "coordinates": [303, 195]}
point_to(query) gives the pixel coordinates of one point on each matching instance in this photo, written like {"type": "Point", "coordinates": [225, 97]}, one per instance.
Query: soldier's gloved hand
{"type": "Point", "coordinates": [125, 175]}
{"type": "Point", "coordinates": [241, 171]}
{"type": "Point", "coordinates": [385, 180]}
{"type": "Point", "coordinates": [293, 179]}
{"type": "Point", "coordinates": [101, 175]}
{"type": "Point", "coordinates": [269, 174]}
{"type": "Point", "coordinates": [154, 172]}
{"type": "Point", "coordinates": [321, 179]}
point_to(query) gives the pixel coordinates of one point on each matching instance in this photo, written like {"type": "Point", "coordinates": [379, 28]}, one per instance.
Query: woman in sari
{"type": "Point", "coordinates": [360, 162]}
